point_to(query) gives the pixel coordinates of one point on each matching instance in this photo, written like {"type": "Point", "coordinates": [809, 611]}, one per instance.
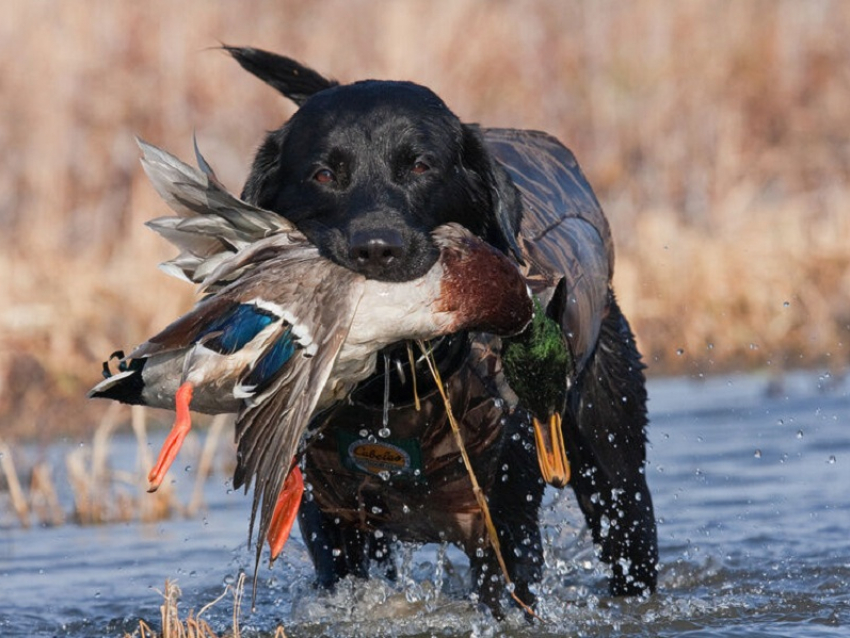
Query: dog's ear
{"type": "Point", "coordinates": [293, 80]}
{"type": "Point", "coordinates": [259, 187]}
{"type": "Point", "coordinates": [503, 225]}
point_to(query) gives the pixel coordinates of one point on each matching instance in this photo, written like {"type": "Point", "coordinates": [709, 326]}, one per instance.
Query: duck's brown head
{"type": "Point", "coordinates": [481, 286]}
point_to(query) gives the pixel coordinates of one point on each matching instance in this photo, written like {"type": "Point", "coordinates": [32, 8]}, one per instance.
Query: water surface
{"type": "Point", "coordinates": [750, 480]}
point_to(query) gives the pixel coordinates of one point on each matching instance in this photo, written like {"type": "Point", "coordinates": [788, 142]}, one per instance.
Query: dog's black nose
{"type": "Point", "coordinates": [372, 251]}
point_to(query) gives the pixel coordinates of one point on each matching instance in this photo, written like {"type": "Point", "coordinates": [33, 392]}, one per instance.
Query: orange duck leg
{"type": "Point", "coordinates": [285, 511]}
{"type": "Point", "coordinates": [171, 446]}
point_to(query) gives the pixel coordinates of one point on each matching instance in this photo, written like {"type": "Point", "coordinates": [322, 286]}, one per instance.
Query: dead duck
{"type": "Point", "coordinates": [538, 366]}
{"type": "Point", "coordinates": [283, 332]}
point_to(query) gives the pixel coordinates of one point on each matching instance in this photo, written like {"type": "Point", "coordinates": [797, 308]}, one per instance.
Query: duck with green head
{"type": "Point", "coordinates": [282, 332]}
{"type": "Point", "coordinates": [538, 365]}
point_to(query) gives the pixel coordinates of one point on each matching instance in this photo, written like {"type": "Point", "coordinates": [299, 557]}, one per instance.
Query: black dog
{"type": "Point", "coordinates": [367, 171]}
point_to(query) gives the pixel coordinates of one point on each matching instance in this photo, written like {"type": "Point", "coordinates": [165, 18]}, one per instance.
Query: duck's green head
{"type": "Point", "coordinates": [537, 363]}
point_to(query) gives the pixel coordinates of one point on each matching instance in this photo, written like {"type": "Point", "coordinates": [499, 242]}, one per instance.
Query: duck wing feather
{"type": "Point", "coordinates": [211, 224]}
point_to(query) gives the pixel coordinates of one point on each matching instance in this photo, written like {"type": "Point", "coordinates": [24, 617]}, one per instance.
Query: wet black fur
{"type": "Point", "coordinates": [370, 134]}
{"type": "Point", "coordinates": [373, 138]}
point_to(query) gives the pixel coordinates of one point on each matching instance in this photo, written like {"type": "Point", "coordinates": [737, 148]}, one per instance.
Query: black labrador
{"type": "Point", "coordinates": [367, 170]}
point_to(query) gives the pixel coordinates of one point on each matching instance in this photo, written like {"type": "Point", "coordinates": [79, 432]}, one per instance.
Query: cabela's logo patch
{"type": "Point", "coordinates": [377, 457]}
{"type": "Point", "coordinates": [398, 457]}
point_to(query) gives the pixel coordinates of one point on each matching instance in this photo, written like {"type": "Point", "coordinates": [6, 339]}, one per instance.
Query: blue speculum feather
{"type": "Point", "coordinates": [272, 361]}
{"type": "Point", "coordinates": [237, 328]}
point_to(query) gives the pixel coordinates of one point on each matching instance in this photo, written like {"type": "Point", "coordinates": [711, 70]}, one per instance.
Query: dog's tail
{"type": "Point", "coordinates": [293, 80]}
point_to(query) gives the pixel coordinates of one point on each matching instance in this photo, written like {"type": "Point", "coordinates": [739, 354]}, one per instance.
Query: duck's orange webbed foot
{"type": "Point", "coordinates": [181, 427]}
{"type": "Point", "coordinates": [285, 511]}
{"type": "Point", "coordinates": [551, 453]}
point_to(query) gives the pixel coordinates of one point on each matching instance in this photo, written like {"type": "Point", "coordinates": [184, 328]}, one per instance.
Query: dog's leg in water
{"type": "Point", "coordinates": [340, 550]}
{"type": "Point", "coordinates": [606, 443]}
{"type": "Point", "coordinates": [514, 500]}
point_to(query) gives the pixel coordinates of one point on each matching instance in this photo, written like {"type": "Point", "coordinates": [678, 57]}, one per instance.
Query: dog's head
{"type": "Point", "coordinates": [368, 170]}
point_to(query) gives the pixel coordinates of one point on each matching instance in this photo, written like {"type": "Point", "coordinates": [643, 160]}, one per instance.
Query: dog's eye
{"type": "Point", "coordinates": [324, 176]}
{"type": "Point", "coordinates": [419, 167]}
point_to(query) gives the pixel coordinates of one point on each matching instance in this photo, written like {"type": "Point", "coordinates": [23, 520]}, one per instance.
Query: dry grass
{"type": "Point", "coordinates": [715, 133]}
{"type": "Point", "coordinates": [193, 626]}
{"type": "Point", "coordinates": [101, 493]}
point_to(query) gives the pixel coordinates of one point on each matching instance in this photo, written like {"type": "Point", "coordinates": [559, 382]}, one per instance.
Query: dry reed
{"type": "Point", "coordinates": [102, 494]}
{"type": "Point", "coordinates": [717, 136]}
{"type": "Point", "coordinates": [194, 626]}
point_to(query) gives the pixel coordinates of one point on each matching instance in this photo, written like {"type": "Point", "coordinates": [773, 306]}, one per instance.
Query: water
{"type": "Point", "coordinates": [750, 481]}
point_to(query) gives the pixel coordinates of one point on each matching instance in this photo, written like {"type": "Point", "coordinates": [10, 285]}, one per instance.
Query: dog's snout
{"type": "Point", "coordinates": [372, 251]}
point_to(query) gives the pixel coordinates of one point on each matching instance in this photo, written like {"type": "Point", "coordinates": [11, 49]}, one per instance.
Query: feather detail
{"type": "Point", "coordinates": [270, 427]}
{"type": "Point", "coordinates": [186, 331]}
{"type": "Point", "coordinates": [211, 224]}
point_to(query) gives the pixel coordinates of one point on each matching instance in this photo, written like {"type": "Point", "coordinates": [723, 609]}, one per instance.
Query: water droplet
{"type": "Point", "coordinates": [831, 460]}
{"type": "Point", "coordinates": [364, 433]}
{"type": "Point", "coordinates": [786, 304]}
{"type": "Point", "coordinates": [680, 351]}
{"type": "Point", "coordinates": [405, 509]}
{"type": "Point", "coordinates": [799, 434]}
{"type": "Point", "coordinates": [757, 454]}
{"type": "Point", "coordinates": [188, 468]}
{"type": "Point", "coordinates": [384, 433]}
{"type": "Point", "coordinates": [336, 552]}
{"type": "Point", "coordinates": [604, 526]}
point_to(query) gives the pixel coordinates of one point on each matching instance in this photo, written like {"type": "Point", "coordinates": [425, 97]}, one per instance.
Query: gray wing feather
{"type": "Point", "coordinates": [211, 224]}
{"type": "Point", "coordinates": [270, 426]}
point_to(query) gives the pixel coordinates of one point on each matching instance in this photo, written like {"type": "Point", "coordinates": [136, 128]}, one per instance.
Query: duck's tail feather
{"type": "Point", "coordinates": [124, 386]}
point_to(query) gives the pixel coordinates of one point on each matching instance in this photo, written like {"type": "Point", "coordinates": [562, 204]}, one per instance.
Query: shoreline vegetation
{"type": "Point", "coordinates": [717, 138]}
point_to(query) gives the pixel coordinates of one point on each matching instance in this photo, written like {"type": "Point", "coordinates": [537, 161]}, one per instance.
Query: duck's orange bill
{"type": "Point", "coordinates": [181, 427]}
{"type": "Point", "coordinates": [551, 454]}
{"type": "Point", "coordinates": [285, 511]}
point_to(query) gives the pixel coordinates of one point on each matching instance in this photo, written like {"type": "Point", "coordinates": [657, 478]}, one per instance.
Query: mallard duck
{"type": "Point", "coordinates": [283, 332]}
{"type": "Point", "coordinates": [538, 366]}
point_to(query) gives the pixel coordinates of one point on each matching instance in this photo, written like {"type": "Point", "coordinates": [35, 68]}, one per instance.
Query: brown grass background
{"type": "Point", "coordinates": [716, 135]}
